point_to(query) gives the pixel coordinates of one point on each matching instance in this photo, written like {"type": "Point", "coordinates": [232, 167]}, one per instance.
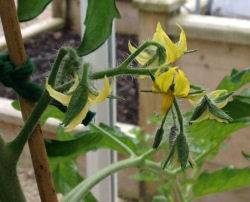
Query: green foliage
{"type": "Point", "coordinates": [29, 9]}
{"type": "Point", "coordinates": [98, 24]}
{"type": "Point", "coordinates": [222, 180]}
{"type": "Point", "coordinates": [62, 157]}
{"type": "Point", "coordinates": [236, 80]}
{"type": "Point", "coordinates": [50, 112]}
{"type": "Point", "coordinates": [74, 147]}
{"type": "Point", "coordinates": [160, 198]}
{"type": "Point", "coordinates": [108, 142]}
{"type": "Point", "coordinates": [79, 98]}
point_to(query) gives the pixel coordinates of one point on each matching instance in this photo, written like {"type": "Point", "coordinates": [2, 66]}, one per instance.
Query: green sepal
{"type": "Point", "coordinates": [158, 137]}
{"type": "Point", "coordinates": [183, 150]}
{"type": "Point", "coordinates": [216, 111]}
{"type": "Point", "coordinates": [170, 155]}
{"type": "Point", "coordinates": [79, 98]}
{"type": "Point", "coordinates": [172, 144]}
{"type": "Point", "coordinates": [223, 97]}
{"type": "Point", "coordinates": [161, 52]}
{"type": "Point", "coordinates": [199, 109]}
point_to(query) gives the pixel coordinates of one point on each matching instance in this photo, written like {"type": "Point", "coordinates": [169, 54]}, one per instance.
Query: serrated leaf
{"type": "Point", "coordinates": [108, 142]}
{"type": "Point", "coordinates": [208, 134]}
{"type": "Point", "coordinates": [222, 180]}
{"type": "Point", "coordinates": [66, 176]}
{"type": "Point", "coordinates": [98, 22]}
{"type": "Point", "coordinates": [29, 9]}
{"type": "Point", "coordinates": [236, 80]}
{"type": "Point", "coordinates": [50, 112]}
{"type": "Point", "coordinates": [74, 147]}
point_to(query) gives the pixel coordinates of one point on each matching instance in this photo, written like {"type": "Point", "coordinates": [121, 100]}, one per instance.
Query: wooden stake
{"type": "Point", "coordinates": [36, 143]}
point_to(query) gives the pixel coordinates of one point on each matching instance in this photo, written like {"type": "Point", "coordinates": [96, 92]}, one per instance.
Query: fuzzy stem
{"type": "Point", "coordinates": [179, 116]}
{"type": "Point", "coordinates": [107, 134]}
{"type": "Point", "coordinates": [16, 146]}
{"type": "Point", "coordinates": [138, 51]}
{"type": "Point", "coordinates": [84, 187]}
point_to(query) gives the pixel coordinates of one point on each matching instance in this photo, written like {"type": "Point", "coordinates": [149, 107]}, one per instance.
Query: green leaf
{"type": "Point", "coordinates": [236, 80]}
{"type": "Point", "coordinates": [66, 177]}
{"type": "Point", "coordinates": [208, 134]}
{"type": "Point", "coordinates": [159, 198]}
{"type": "Point", "coordinates": [222, 180]}
{"type": "Point", "coordinates": [74, 147]}
{"type": "Point", "coordinates": [50, 112]}
{"type": "Point", "coordinates": [246, 156]}
{"type": "Point", "coordinates": [98, 22]}
{"type": "Point", "coordinates": [29, 9]}
{"type": "Point", "coordinates": [108, 142]}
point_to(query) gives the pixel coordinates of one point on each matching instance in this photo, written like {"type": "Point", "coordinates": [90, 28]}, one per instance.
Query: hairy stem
{"type": "Point", "coordinates": [16, 146]}
{"type": "Point", "coordinates": [138, 51]}
{"type": "Point", "coordinates": [107, 134]}
{"type": "Point", "coordinates": [179, 116]}
{"type": "Point", "coordinates": [84, 187]}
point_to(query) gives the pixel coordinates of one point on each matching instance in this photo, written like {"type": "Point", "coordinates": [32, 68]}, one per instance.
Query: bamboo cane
{"type": "Point", "coordinates": [36, 144]}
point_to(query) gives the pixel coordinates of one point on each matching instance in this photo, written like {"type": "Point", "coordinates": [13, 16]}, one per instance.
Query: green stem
{"type": "Point", "coordinates": [122, 71]}
{"type": "Point", "coordinates": [179, 116]}
{"type": "Point", "coordinates": [84, 187]}
{"type": "Point", "coordinates": [16, 146]}
{"type": "Point", "coordinates": [120, 143]}
{"type": "Point", "coordinates": [138, 51]}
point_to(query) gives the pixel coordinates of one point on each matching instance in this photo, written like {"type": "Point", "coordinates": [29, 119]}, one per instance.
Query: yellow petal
{"type": "Point", "coordinates": [159, 35]}
{"type": "Point", "coordinates": [165, 80]}
{"type": "Point", "coordinates": [74, 86]}
{"type": "Point", "coordinates": [173, 50]}
{"type": "Point", "coordinates": [104, 93]}
{"type": "Point", "coordinates": [195, 99]}
{"type": "Point", "coordinates": [217, 93]}
{"type": "Point", "coordinates": [167, 101]}
{"type": "Point", "coordinates": [182, 43]}
{"type": "Point", "coordinates": [78, 119]}
{"type": "Point", "coordinates": [182, 85]}
{"type": "Point", "coordinates": [143, 57]}
{"type": "Point", "coordinates": [60, 97]}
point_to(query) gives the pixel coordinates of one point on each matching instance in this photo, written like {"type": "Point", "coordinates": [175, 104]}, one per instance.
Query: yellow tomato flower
{"type": "Point", "coordinates": [215, 99]}
{"type": "Point", "coordinates": [171, 83]}
{"type": "Point", "coordinates": [64, 99]}
{"type": "Point", "coordinates": [173, 50]}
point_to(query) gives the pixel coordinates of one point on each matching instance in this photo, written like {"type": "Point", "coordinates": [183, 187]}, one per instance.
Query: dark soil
{"type": "Point", "coordinates": [42, 50]}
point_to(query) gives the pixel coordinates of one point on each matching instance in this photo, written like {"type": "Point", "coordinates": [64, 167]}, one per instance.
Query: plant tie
{"type": "Point", "coordinates": [17, 77]}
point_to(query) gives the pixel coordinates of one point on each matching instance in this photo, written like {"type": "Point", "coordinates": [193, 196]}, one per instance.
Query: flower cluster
{"type": "Point", "coordinates": [171, 82]}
